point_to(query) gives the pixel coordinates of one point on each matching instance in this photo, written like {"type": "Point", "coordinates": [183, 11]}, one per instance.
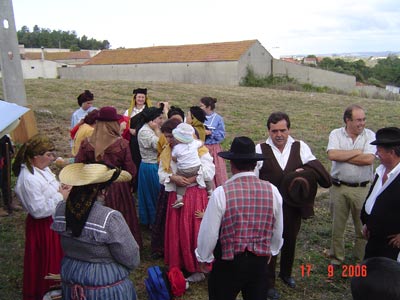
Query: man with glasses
{"type": "Point", "coordinates": [352, 158]}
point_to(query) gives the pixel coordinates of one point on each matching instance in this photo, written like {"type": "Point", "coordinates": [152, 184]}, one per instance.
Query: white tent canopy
{"type": "Point", "coordinates": [9, 116]}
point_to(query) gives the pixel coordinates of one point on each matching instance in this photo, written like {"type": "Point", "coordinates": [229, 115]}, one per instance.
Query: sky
{"type": "Point", "coordinates": [284, 27]}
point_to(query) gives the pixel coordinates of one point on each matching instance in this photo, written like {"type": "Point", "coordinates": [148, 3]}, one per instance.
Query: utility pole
{"type": "Point", "coordinates": [11, 71]}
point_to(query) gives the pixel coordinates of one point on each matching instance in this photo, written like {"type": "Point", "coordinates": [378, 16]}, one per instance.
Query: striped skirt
{"type": "Point", "coordinates": [220, 166]}
{"type": "Point", "coordinates": [106, 281]}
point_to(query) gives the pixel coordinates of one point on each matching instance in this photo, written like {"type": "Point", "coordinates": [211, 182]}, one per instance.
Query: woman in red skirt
{"type": "Point", "coordinates": [39, 192]}
{"type": "Point", "coordinates": [182, 225]}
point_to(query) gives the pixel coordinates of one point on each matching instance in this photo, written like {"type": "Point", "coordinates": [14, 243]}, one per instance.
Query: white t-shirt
{"type": "Point", "coordinates": [187, 155]}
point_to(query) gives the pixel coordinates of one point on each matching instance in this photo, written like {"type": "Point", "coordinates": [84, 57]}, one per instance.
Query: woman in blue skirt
{"type": "Point", "coordinates": [148, 181]}
{"type": "Point", "coordinates": [100, 250]}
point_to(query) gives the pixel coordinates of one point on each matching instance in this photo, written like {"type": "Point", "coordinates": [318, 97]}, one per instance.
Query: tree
{"type": "Point", "coordinates": [44, 37]}
{"type": "Point", "coordinates": [388, 70]}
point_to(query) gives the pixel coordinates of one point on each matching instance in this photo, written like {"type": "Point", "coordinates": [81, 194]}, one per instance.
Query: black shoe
{"type": "Point", "coordinates": [273, 294]}
{"type": "Point", "coordinates": [288, 280]}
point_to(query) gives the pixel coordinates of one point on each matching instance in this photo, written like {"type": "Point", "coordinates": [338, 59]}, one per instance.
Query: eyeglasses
{"type": "Point", "coordinates": [359, 120]}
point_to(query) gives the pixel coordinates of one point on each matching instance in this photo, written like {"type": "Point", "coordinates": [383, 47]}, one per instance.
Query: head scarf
{"type": "Point", "coordinates": [104, 135]}
{"type": "Point", "coordinates": [37, 145]}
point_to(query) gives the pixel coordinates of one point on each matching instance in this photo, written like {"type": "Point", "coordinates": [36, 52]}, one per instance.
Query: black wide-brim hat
{"type": "Point", "coordinates": [389, 136]}
{"type": "Point", "coordinates": [243, 149]}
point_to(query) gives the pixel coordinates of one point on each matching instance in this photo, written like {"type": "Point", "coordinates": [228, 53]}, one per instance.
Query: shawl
{"type": "Point", "coordinates": [104, 135]}
{"type": "Point", "coordinates": [37, 145]}
{"type": "Point", "coordinates": [201, 130]}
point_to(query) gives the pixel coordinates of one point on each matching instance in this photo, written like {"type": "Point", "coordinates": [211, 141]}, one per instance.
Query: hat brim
{"type": "Point", "coordinates": [386, 142]}
{"type": "Point", "coordinates": [237, 156]}
{"type": "Point", "coordinates": [79, 174]}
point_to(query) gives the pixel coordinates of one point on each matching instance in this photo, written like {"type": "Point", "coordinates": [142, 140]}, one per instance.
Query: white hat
{"type": "Point", "coordinates": [83, 174]}
{"type": "Point", "coordinates": [183, 133]}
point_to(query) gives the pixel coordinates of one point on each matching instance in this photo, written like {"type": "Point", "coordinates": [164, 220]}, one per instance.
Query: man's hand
{"type": "Point", "coordinates": [394, 240]}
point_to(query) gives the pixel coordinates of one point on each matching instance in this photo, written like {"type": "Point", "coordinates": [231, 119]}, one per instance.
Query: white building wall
{"type": "Point", "coordinates": [32, 69]}
{"type": "Point", "coordinates": [256, 57]}
{"type": "Point", "coordinates": [218, 73]}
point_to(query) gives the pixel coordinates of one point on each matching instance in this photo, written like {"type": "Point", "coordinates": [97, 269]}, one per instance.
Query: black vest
{"type": "Point", "coordinates": [384, 219]}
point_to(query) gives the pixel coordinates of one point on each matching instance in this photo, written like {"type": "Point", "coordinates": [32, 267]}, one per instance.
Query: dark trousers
{"type": "Point", "coordinates": [291, 228]}
{"type": "Point", "coordinates": [246, 273]}
{"type": "Point", "coordinates": [380, 247]}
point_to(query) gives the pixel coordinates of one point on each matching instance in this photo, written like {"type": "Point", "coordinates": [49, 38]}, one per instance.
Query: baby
{"type": "Point", "coordinates": [185, 154]}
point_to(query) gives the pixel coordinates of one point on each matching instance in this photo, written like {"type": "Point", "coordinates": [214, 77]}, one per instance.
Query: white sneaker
{"type": "Point", "coordinates": [177, 204]}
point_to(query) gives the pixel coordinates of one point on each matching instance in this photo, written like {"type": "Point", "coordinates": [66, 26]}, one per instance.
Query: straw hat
{"type": "Point", "coordinates": [83, 174]}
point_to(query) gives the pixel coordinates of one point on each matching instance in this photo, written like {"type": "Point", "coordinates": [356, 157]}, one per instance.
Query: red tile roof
{"type": "Point", "coordinates": [229, 51]}
{"type": "Point", "coordinates": [58, 55]}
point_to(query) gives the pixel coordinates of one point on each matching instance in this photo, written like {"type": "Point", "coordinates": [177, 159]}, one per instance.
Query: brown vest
{"type": "Point", "coordinates": [271, 170]}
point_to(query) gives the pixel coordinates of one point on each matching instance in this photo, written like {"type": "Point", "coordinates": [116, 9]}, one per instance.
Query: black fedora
{"type": "Point", "coordinates": [389, 136]}
{"type": "Point", "coordinates": [242, 148]}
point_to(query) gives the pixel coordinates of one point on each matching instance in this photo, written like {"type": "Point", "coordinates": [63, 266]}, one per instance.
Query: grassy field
{"type": "Point", "coordinates": [245, 110]}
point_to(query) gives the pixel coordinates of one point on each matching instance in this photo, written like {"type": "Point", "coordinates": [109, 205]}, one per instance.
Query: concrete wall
{"type": "Point", "coordinates": [218, 73]}
{"type": "Point", "coordinates": [371, 91]}
{"type": "Point", "coordinates": [258, 58]}
{"type": "Point", "coordinates": [39, 69]}
{"type": "Point", "coordinates": [316, 77]}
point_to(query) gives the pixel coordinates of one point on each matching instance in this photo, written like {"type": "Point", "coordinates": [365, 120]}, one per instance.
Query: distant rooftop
{"type": "Point", "coordinates": [228, 51]}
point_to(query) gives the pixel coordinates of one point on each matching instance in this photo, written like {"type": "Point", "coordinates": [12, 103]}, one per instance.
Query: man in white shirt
{"type": "Point", "coordinates": [283, 155]}
{"type": "Point", "coordinates": [241, 228]}
{"type": "Point", "coordinates": [352, 158]}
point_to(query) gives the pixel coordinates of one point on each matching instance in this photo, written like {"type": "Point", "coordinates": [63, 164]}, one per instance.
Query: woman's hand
{"type": "Point", "coordinates": [394, 240]}
{"type": "Point", "coordinates": [156, 127]}
{"type": "Point", "coordinates": [64, 190]}
{"type": "Point", "coordinates": [179, 180]}
{"type": "Point", "coordinates": [199, 214]}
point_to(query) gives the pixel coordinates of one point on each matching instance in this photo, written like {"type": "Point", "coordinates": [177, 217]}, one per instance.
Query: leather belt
{"type": "Point", "coordinates": [338, 182]}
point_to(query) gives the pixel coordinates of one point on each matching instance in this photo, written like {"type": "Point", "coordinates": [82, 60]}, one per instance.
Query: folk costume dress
{"type": "Point", "coordinates": [182, 226]}
{"type": "Point", "coordinates": [39, 195]}
{"type": "Point", "coordinates": [119, 195]}
{"type": "Point", "coordinates": [97, 263]}
{"type": "Point", "coordinates": [149, 185]}
{"type": "Point", "coordinates": [215, 123]}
